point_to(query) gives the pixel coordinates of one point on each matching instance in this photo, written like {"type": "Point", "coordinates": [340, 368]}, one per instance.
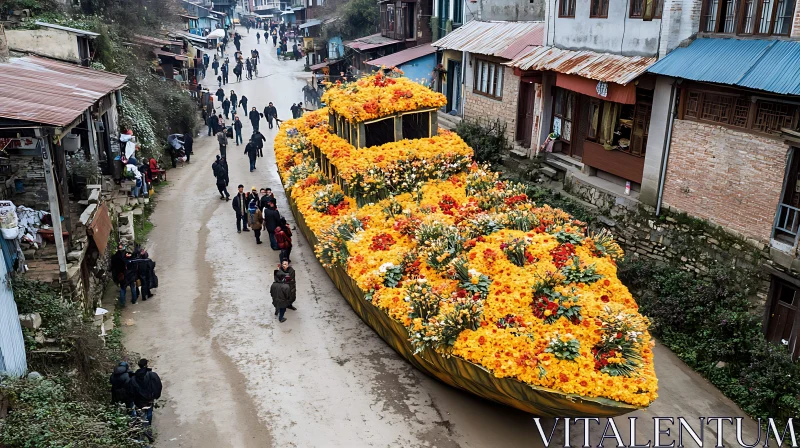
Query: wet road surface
{"type": "Point", "coordinates": [235, 377]}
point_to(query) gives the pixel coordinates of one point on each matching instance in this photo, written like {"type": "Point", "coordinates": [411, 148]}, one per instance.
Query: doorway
{"type": "Point", "coordinates": [454, 86]}
{"type": "Point", "coordinates": [527, 96]}
{"type": "Point", "coordinates": [783, 320]}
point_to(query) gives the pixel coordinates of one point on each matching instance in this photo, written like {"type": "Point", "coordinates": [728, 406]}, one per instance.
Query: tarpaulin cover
{"type": "Point", "coordinates": [458, 372]}
{"type": "Point", "coordinates": [617, 93]}
{"type": "Point", "coordinates": [100, 228]}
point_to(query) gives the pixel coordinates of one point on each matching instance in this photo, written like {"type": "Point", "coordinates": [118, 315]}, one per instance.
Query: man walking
{"type": "Point", "coordinates": [226, 107]}
{"type": "Point", "coordinates": [267, 197]}
{"type": "Point", "coordinates": [269, 113]}
{"type": "Point", "coordinates": [234, 104]}
{"type": "Point", "coordinates": [283, 236]}
{"type": "Point", "coordinates": [240, 207]}
{"type": "Point", "coordinates": [243, 103]}
{"type": "Point", "coordinates": [129, 279]}
{"type": "Point", "coordinates": [225, 72]}
{"type": "Point", "coordinates": [212, 123]}
{"type": "Point", "coordinates": [223, 142]}
{"type": "Point", "coordinates": [258, 37]}
{"type": "Point", "coordinates": [215, 66]}
{"type": "Point", "coordinates": [280, 292]}
{"type": "Point", "coordinates": [255, 117]}
{"type": "Point", "coordinates": [252, 152]}
{"type": "Point", "coordinates": [221, 174]}
{"type": "Point", "coordinates": [220, 95]}
{"type": "Point", "coordinates": [259, 140]}
{"type": "Point", "coordinates": [119, 384]}
{"type": "Point", "coordinates": [145, 388]}
{"type": "Point", "coordinates": [188, 143]}
{"type": "Point", "coordinates": [272, 218]}
{"type": "Point", "coordinates": [237, 128]}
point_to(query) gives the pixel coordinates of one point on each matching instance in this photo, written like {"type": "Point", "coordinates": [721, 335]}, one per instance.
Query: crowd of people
{"type": "Point", "coordinates": [132, 269]}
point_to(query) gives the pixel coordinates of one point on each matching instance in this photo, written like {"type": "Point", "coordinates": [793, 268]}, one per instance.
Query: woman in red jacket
{"type": "Point", "coordinates": [283, 235]}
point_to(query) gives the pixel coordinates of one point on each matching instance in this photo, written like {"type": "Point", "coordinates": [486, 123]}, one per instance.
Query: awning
{"type": "Point", "coordinates": [769, 65]}
{"type": "Point", "coordinates": [370, 42]}
{"type": "Point", "coordinates": [100, 228]}
{"type": "Point", "coordinates": [45, 91]}
{"type": "Point", "coordinates": [502, 39]}
{"type": "Point", "coordinates": [166, 54]}
{"type": "Point", "coordinates": [588, 64]}
{"type": "Point", "coordinates": [323, 65]}
{"type": "Point", "coordinates": [401, 57]}
{"type": "Point", "coordinates": [310, 22]}
{"type": "Point", "coordinates": [616, 92]}
{"type": "Point", "coordinates": [188, 36]}
{"type": "Point", "coordinates": [216, 34]}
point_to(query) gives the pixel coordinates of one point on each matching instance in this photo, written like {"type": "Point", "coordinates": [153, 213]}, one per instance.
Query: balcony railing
{"type": "Point", "coordinates": [787, 225]}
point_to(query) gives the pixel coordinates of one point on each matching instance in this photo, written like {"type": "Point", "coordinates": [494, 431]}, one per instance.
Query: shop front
{"type": "Point", "coordinates": [603, 125]}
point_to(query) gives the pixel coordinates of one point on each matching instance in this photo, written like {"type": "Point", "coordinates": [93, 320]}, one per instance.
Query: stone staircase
{"type": "Point", "coordinates": [447, 121]}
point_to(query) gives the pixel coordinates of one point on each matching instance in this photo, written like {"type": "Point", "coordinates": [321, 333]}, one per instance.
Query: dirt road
{"type": "Point", "coordinates": [235, 377]}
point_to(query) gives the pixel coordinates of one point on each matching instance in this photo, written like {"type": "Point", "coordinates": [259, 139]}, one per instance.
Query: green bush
{"type": "Point", "coordinates": [709, 323]}
{"type": "Point", "coordinates": [487, 139]}
{"type": "Point", "coordinates": [43, 415]}
{"type": "Point", "coordinates": [58, 315]}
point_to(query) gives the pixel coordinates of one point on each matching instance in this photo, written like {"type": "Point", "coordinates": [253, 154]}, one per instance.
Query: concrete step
{"type": "Point", "coordinates": [548, 172]}
{"type": "Point", "coordinates": [448, 121]}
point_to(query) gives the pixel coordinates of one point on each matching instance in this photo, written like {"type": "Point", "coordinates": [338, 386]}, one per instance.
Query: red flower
{"type": "Point", "coordinates": [564, 378]}
{"type": "Point", "coordinates": [482, 340]}
{"type": "Point", "coordinates": [382, 241]}
{"type": "Point", "coordinates": [606, 282]}
{"type": "Point", "coordinates": [604, 298]}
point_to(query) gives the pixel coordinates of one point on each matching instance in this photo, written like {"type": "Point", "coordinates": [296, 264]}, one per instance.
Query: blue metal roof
{"type": "Point", "coordinates": [769, 65]}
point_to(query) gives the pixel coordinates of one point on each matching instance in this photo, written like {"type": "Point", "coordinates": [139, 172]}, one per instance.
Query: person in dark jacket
{"type": "Point", "coordinates": [145, 388]}
{"type": "Point", "coordinates": [281, 294]}
{"type": "Point", "coordinates": [243, 103]}
{"type": "Point", "coordinates": [234, 102]}
{"type": "Point", "coordinates": [272, 219]}
{"type": "Point", "coordinates": [225, 72]}
{"type": "Point", "coordinates": [291, 279]}
{"type": "Point", "coordinates": [269, 113]}
{"type": "Point", "coordinates": [295, 52]}
{"type": "Point", "coordinates": [213, 123]}
{"type": "Point", "coordinates": [237, 129]}
{"type": "Point", "coordinates": [220, 94]}
{"type": "Point", "coordinates": [188, 144]}
{"type": "Point", "coordinates": [283, 236]}
{"type": "Point", "coordinates": [259, 139]}
{"type": "Point", "coordinates": [267, 197]}
{"type": "Point", "coordinates": [118, 264]}
{"type": "Point", "coordinates": [221, 174]}
{"type": "Point", "coordinates": [222, 139]}
{"type": "Point", "coordinates": [252, 153]}
{"type": "Point", "coordinates": [254, 117]}
{"type": "Point", "coordinates": [215, 66]}
{"type": "Point", "coordinates": [226, 107]}
{"type": "Point", "coordinates": [119, 384]}
{"type": "Point", "coordinates": [128, 279]}
{"type": "Point", "coordinates": [240, 207]}
{"type": "Point", "coordinates": [249, 67]}
{"type": "Point", "coordinates": [143, 271]}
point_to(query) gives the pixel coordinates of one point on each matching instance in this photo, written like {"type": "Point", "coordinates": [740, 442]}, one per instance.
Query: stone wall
{"type": "Point", "coordinates": [727, 177]}
{"type": "Point", "coordinates": [674, 237]}
{"type": "Point", "coordinates": [481, 107]}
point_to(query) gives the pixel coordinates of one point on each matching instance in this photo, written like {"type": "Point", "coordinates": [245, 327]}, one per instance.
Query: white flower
{"type": "Point", "coordinates": [384, 267]}
{"type": "Point", "coordinates": [474, 273]}
{"type": "Point", "coordinates": [422, 280]}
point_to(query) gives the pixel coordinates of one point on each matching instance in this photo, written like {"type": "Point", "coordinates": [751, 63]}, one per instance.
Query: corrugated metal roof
{"type": "Point", "coordinates": [370, 42]}
{"type": "Point", "coordinates": [493, 38]}
{"type": "Point", "coordinates": [310, 23]}
{"type": "Point", "coordinates": [769, 65]}
{"type": "Point", "coordinates": [401, 57]}
{"type": "Point", "coordinates": [68, 29]}
{"type": "Point", "coordinates": [148, 40]}
{"type": "Point", "coordinates": [55, 93]}
{"type": "Point", "coordinates": [588, 64]}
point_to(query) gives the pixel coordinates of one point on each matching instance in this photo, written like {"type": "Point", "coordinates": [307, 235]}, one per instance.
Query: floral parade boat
{"type": "Point", "coordinates": [456, 269]}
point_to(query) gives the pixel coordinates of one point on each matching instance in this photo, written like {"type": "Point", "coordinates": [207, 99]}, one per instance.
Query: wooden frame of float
{"type": "Point", "coordinates": [356, 133]}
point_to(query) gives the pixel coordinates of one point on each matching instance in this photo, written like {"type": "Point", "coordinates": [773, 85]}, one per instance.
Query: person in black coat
{"type": "Point", "coordinates": [226, 107]}
{"type": "Point", "coordinates": [213, 124]}
{"type": "Point", "coordinates": [240, 207]}
{"type": "Point", "coordinates": [220, 94]}
{"type": "Point", "coordinates": [237, 129]}
{"type": "Point", "coordinates": [128, 278]}
{"type": "Point", "coordinates": [119, 384]}
{"type": "Point", "coordinates": [188, 143]}
{"type": "Point", "coordinates": [269, 113]}
{"type": "Point", "coordinates": [143, 271]}
{"type": "Point", "coordinates": [254, 117]}
{"type": "Point", "coordinates": [215, 66]}
{"type": "Point", "coordinates": [221, 174]}
{"type": "Point", "coordinates": [252, 152]}
{"type": "Point", "coordinates": [225, 73]}
{"type": "Point", "coordinates": [267, 197]}
{"type": "Point", "coordinates": [258, 139]}
{"type": "Point", "coordinates": [243, 103]}
{"type": "Point", "coordinates": [118, 264]}
{"type": "Point", "coordinates": [145, 388]}
{"type": "Point", "coordinates": [272, 219]}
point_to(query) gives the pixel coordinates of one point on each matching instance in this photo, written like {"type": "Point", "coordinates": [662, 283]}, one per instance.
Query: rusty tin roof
{"type": "Point", "coordinates": [55, 93]}
{"type": "Point", "coordinates": [588, 64]}
{"type": "Point", "coordinates": [503, 39]}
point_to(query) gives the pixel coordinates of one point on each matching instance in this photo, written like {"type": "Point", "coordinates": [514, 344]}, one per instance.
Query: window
{"type": "Point", "coordinates": [599, 9]}
{"type": "Point", "coordinates": [759, 115]}
{"type": "Point", "coordinates": [563, 111]}
{"type": "Point", "coordinates": [416, 125]}
{"type": "Point", "coordinates": [566, 8]}
{"type": "Point", "coordinates": [458, 13]}
{"type": "Point", "coordinates": [747, 17]}
{"type": "Point", "coordinates": [409, 17]}
{"type": "Point", "coordinates": [379, 132]}
{"type": "Point", "coordinates": [646, 9]}
{"type": "Point", "coordinates": [390, 18]}
{"type": "Point", "coordinates": [488, 78]}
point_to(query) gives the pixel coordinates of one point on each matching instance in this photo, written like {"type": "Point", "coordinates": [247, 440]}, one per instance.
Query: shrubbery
{"type": "Point", "coordinates": [487, 139]}
{"type": "Point", "coordinates": [709, 323]}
